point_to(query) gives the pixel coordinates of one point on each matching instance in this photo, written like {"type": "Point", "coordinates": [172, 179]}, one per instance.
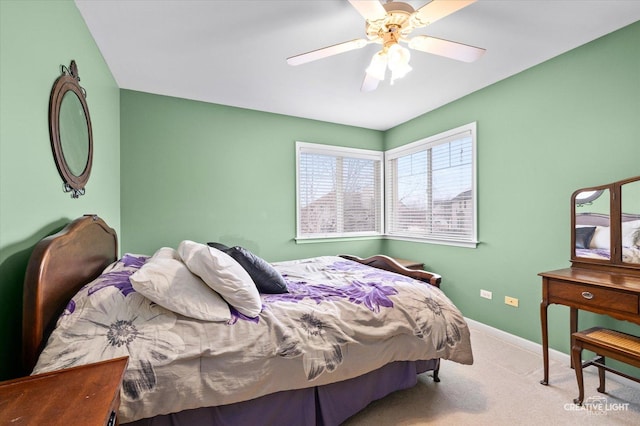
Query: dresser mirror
{"type": "Point", "coordinates": [606, 226]}
{"type": "Point", "coordinates": [630, 228]}
{"type": "Point", "coordinates": [70, 131]}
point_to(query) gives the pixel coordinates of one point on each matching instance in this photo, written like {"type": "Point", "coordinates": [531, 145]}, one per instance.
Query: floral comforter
{"type": "Point", "coordinates": [339, 320]}
{"type": "Point", "coordinates": [629, 254]}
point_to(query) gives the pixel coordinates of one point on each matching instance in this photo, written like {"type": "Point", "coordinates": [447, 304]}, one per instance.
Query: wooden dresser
{"type": "Point", "coordinates": [84, 395]}
{"type": "Point", "coordinates": [604, 276]}
{"type": "Point", "coordinates": [602, 292]}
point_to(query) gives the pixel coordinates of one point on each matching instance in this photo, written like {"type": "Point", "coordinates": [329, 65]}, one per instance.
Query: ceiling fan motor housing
{"type": "Point", "coordinates": [397, 23]}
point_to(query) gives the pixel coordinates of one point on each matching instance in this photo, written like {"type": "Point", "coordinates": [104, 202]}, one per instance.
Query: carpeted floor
{"type": "Point", "coordinates": [503, 387]}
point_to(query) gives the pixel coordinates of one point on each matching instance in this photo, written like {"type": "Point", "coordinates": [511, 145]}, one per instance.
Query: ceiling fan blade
{"type": "Point", "coordinates": [369, 84]}
{"type": "Point", "coordinates": [446, 48]}
{"type": "Point", "coordinates": [437, 9]}
{"type": "Point", "coordinates": [327, 51]}
{"type": "Point", "coordinates": [371, 10]}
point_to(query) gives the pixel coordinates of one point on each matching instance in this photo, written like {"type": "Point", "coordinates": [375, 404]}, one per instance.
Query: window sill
{"type": "Point", "coordinates": [312, 240]}
{"type": "Point", "coordinates": [465, 244]}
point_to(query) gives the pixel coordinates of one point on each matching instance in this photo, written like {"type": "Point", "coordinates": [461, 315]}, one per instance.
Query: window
{"type": "Point", "coordinates": [339, 191]}
{"type": "Point", "coordinates": [431, 190]}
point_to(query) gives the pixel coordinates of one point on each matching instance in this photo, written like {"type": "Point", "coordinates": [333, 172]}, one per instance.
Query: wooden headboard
{"type": "Point", "coordinates": [58, 267]}
{"type": "Point", "coordinates": [592, 219]}
{"type": "Point", "coordinates": [600, 219]}
{"type": "Point", "coordinates": [389, 264]}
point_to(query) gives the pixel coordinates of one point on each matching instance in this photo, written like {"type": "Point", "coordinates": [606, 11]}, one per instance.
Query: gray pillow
{"type": "Point", "coordinates": [583, 236]}
{"type": "Point", "coordinates": [267, 279]}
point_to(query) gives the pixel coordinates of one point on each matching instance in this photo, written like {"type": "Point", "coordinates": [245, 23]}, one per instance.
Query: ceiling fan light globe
{"type": "Point", "coordinates": [400, 72]}
{"type": "Point", "coordinates": [398, 57]}
{"type": "Point", "coordinates": [378, 66]}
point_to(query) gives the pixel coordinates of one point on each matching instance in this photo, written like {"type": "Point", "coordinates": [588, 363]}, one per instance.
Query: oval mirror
{"type": "Point", "coordinates": [70, 131]}
{"type": "Point", "coordinates": [586, 197]}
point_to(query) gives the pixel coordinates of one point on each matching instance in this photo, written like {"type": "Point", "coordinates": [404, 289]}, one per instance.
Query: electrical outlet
{"type": "Point", "coordinates": [511, 301]}
{"type": "Point", "coordinates": [486, 294]}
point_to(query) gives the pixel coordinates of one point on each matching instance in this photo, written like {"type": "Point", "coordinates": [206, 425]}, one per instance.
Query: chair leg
{"type": "Point", "coordinates": [576, 361]}
{"type": "Point", "coordinates": [601, 372]}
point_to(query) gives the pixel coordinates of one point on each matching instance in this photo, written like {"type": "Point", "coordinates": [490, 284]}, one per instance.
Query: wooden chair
{"type": "Point", "coordinates": [605, 343]}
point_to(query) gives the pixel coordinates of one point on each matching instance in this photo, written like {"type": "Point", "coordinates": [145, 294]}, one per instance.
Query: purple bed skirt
{"type": "Point", "coordinates": [324, 405]}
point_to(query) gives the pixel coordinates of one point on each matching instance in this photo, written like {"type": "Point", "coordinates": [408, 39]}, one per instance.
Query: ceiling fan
{"type": "Point", "coordinates": [390, 24]}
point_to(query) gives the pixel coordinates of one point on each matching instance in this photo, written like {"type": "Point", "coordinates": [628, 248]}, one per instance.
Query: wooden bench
{"type": "Point", "coordinates": [605, 343]}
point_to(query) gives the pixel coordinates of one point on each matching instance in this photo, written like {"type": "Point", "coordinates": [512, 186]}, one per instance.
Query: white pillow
{"type": "Point", "coordinates": [628, 233]}
{"type": "Point", "coordinates": [224, 274]}
{"type": "Point", "coordinates": [166, 253]}
{"type": "Point", "coordinates": [601, 238]}
{"type": "Point", "coordinates": [166, 280]}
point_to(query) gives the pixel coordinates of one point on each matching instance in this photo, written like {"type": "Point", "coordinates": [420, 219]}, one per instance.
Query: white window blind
{"type": "Point", "coordinates": [339, 191]}
{"type": "Point", "coordinates": [430, 188]}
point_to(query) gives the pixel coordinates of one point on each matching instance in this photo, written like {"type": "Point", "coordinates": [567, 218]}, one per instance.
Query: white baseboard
{"type": "Point", "coordinates": [536, 347]}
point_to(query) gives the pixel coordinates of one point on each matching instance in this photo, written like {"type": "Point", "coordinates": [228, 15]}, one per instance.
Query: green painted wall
{"type": "Point", "coordinates": [569, 123]}
{"type": "Point", "coordinates": [631, 197]}
{"type": "Point", "coordinates": [36, 37]}
{"type": "Point", "coordinates": [602, 204]}
{"type": "Point", "coordinates": [205, 172]}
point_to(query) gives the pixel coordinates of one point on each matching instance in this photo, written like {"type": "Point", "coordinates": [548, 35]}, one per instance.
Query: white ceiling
{"type": "Point", "coordinates": [234, 52]}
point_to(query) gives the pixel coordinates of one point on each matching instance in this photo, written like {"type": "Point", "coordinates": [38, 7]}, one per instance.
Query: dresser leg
{"type": "Point", "coordinates": [573, 325]}
{"type": "Point", "coordinates": [576, 362]}
{"type": "Point", "coordinates": [545, 342]}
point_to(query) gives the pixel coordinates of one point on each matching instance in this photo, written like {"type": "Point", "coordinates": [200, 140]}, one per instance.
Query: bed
{"type": "Point", "coordinates": [316, 354]}
{"type": "Point", "coordinates": [593, 236]}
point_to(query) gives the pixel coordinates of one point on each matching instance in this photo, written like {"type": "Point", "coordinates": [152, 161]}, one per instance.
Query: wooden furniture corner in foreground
{"type": "Point", "coordinates": [84, 395]}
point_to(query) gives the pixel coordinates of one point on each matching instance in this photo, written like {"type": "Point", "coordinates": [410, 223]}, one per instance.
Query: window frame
{"type": "Point", "coordinates": [421, 145]}
{"type": "Point", "coordinates": [340, 151]}
{"type": "Point", "coordinates": [384, 206]}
